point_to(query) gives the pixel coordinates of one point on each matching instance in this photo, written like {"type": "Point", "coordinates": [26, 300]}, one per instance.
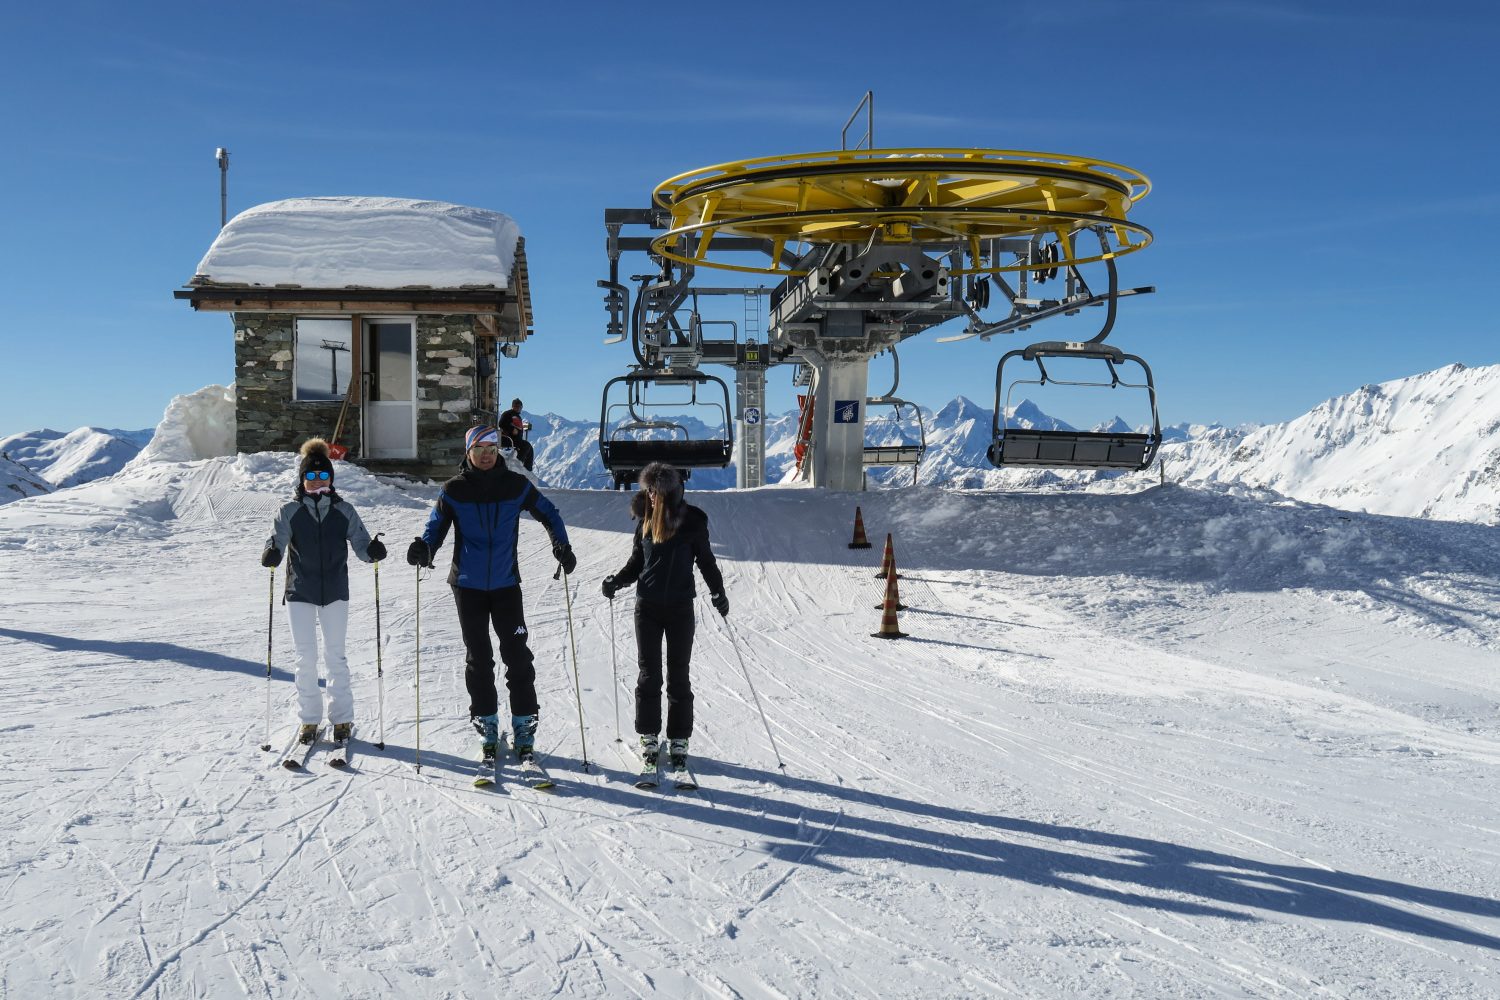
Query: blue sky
{"type": "Point", "coordinates": [1325, 202]}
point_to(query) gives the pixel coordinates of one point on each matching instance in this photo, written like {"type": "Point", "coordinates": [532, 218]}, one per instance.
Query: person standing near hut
{"type": "Point", "coordinates": [483, 504]}
{"type": "Point", "coordinates": [514, 427]}
{"type": "Point", "coordinates": [670, 536]}
{"type": "Point", "coordinates": [315, 530]}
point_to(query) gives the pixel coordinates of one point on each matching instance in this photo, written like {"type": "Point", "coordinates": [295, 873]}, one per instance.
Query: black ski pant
{"type": "Point", "coordinates": [656, 621]}
{"type": "Point", "coordinates": [478, 610]}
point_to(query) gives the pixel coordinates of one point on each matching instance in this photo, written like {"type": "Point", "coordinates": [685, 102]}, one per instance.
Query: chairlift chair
{"type": "Point", "coordinates": [625, 453]}
{"type": "Point", "coordinates": [905, 453]}
{"type": "Point", "coordinates": [1023, 446]}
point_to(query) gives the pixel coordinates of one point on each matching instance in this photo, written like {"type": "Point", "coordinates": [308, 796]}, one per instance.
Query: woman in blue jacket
{"type": "Point", "coordinates": [316, 531]}
{"type": "Point", "coordinates": [483, 505]}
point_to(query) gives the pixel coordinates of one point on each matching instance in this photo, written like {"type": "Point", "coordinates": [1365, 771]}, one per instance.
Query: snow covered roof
{"type": "Point", "coordinates": [350, 242]}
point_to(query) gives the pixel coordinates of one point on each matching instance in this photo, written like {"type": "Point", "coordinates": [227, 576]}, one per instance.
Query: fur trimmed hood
{"type": "Point", "coordinates": [667, 482]}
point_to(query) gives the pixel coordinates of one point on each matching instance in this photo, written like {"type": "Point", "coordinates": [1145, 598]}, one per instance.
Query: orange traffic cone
{"type": "Point", "coordinates": [889, 629]}
{"type": "Point", "coordinates": [892, 592]}
{"type": "Point", "coordinates": [887, 561]}
{"type": "Point", "coordinates": [860, 541]}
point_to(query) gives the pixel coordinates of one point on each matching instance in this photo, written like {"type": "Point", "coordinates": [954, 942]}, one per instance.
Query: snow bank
{"type": "Point", "coordinates": [195, 426]}
{"type": "Point", "coordinates": [362, 242]}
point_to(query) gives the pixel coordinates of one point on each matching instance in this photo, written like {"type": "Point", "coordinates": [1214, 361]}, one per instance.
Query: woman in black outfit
{"type": "Point", "coordinates": [670, 536]}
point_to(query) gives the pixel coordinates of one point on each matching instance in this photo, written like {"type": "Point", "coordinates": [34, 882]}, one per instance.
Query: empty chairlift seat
{"type": "Point", "coordinates": [1064, 449]}
{"type": "Point", "coordinates": [636, 426]}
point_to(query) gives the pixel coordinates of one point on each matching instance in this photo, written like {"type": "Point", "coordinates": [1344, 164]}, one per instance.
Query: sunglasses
{"type": "Point", "coordinates": [313, 477]}
{"type": "Point", "coordinates": [485, 449]}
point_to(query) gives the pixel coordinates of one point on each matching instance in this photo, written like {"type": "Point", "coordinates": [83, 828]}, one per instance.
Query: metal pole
{"type": "Point", "coordinates": [270, 625]}
{"type": "Point", "coordinates": [222, 155]}
{"type": "Point", "coordinates": [379, 664]}
{"type": "Point", "coordinates": [419, 669]}
{"type": "Point", "coordinates": [577, 685]}
{"type": "Point", "coordinates": [762, 711]}
{"type": "Point", "coordinates": [613, 671]}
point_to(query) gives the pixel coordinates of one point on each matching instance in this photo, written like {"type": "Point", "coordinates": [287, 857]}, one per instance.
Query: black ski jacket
{"type": "Point", "coordinates": [663, 571]}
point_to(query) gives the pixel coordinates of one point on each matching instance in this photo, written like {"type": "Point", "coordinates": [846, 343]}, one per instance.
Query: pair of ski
{"type": "Point", "coordinates": [298, 761]}
{"type": "Point", "coordinates": [681, 778]}
{"type": "Point", "coordinates": [532, 774]}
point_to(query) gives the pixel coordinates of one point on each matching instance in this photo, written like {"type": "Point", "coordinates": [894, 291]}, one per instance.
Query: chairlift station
{"type": "Point", "coordinates": [854, 251]}
{"type": "Point", "coordinates": [868, 247]}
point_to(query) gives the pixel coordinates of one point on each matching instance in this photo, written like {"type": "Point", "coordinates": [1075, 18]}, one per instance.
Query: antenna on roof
{"type": "Point", "coordinates": [222, 156]}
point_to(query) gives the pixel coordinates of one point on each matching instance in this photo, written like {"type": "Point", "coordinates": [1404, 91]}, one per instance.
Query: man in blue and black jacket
{"type": "Point", "coordinates": [483, 505]}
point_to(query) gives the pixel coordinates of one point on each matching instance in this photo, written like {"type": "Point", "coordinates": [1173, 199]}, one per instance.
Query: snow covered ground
{"type": "Point", "coordinates": [1183, 742]}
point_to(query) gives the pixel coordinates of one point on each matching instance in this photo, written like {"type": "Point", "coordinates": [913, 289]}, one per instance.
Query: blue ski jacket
{"type": "Point", "coordinates": [484, 510]}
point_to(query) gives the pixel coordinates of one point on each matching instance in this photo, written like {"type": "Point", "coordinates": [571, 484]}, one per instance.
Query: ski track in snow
{"type": "Point", "coordinates": [1087, 773]}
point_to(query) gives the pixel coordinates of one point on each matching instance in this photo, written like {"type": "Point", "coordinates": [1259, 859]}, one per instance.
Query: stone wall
{"type": "Point", "coordinates": [445, 388]}
{"type": "Point", "coordinates": [268, 420]}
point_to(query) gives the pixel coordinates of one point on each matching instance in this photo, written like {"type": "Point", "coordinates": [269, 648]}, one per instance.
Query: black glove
{"type": "Point", "coordinates": [564, 554]}
{"type": "Point", "coordinates": [610, 587]}
{"type": "Point", "coordinates": [417, 553]}
{"type": "Point", "coordinates": [271, 558]}
{"type": "Point", "coordinates": [376, 551]}
{"type": "Point", "coordinates": [720, 603]}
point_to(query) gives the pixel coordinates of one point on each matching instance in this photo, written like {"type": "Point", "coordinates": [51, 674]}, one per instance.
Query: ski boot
{"type": "Point", "coordinates": [488, 728]}
{"type": "Point", "coordinates": [650, 754]}
{"type": "Point", "coordinates": [342, 731]}
{"type": "Point", "coordinates": [677, 765]}
{"type": "Point", "coordinates": [307, 733]}
{"type": "Point", "coordinates": [524, 728]}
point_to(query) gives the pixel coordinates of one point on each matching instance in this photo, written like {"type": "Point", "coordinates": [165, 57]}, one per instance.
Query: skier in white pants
{"type": "Point", "coordinates": [317, 529]}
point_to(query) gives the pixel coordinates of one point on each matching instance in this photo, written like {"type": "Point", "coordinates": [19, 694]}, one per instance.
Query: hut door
{"type": "Point", "coordinates": [390, 406]}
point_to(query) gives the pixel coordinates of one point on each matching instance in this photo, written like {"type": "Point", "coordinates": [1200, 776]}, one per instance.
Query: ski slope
{"type": "Point", "coordinates": [1177, 743]}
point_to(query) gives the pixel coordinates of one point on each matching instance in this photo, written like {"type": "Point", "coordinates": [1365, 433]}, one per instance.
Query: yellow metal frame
{"type": "Point", "coordinates": [920, 195]}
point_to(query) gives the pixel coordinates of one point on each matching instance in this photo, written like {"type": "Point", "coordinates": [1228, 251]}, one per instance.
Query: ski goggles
{"type": "Point", "coordinates": [313, 477]}
{"type": "Point", "coordinates": [485, 449]}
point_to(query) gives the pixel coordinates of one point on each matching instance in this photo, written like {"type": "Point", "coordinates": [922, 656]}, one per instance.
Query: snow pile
{"type": "Point", "coordinates": [1424, 446]}
{"type": "Point", "coordinates": [362, 242]}
{"type": "Point", "coordinates": [197, 425]}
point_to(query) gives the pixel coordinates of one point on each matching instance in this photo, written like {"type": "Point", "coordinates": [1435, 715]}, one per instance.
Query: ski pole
{"type": "Point", "coordinates": [613, 671]}
{"type": "Point", "coordinates": [573, 643]}
{"type": "Point", "coordinates": [419, 669]}
{"type": "Point", "coordinates": [734, 643]}
{"type": "Point", "coordinates": [379, 665]}
{"type": "Point", "coordinates": [270, 625]}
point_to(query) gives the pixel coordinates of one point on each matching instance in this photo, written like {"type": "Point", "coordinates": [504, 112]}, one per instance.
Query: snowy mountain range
{"type": "Point", "coordinates": [1423, 446]}
{"type": "Point", "coordinates": [58, 460]}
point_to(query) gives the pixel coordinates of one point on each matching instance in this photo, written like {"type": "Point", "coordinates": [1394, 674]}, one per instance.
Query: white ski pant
{"type": "Point", "coordinates": [334, 618]}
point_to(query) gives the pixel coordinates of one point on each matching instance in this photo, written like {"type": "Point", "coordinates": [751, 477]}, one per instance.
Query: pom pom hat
{"type": "Point", "coordinates": [314, 459]}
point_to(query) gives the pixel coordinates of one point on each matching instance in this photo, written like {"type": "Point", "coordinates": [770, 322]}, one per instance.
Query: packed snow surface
{"type": "Point", "coordinates": [344, 242]}
{"type": "Point", "coordinates": [1181, 742]}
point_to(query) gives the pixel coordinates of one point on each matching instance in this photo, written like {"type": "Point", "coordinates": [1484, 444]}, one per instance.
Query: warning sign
{"type": "Point", "coordinates": [846, 411]}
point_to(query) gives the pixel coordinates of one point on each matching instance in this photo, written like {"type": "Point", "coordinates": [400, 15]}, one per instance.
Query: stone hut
{"type": "Point", "coordinates": [378, 323]}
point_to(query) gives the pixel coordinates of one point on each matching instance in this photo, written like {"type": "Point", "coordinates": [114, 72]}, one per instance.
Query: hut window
{"type": "Point", "coordinates": [322, 359]}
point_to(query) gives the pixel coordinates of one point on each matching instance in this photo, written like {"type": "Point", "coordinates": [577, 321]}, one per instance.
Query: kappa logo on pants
{"type": "Point", "coordinates": [521, 631]}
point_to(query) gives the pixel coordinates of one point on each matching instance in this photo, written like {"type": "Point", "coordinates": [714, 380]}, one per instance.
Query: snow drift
{"type": "Point", "coordinates": [343, 242]}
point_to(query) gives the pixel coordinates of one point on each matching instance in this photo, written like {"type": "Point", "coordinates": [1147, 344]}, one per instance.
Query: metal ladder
{"type": "Point", "coordinates": [750, 393]}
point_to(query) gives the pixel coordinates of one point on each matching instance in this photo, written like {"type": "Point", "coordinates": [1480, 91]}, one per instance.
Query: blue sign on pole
{"type": "Point", "coordinates": [846, 411]}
